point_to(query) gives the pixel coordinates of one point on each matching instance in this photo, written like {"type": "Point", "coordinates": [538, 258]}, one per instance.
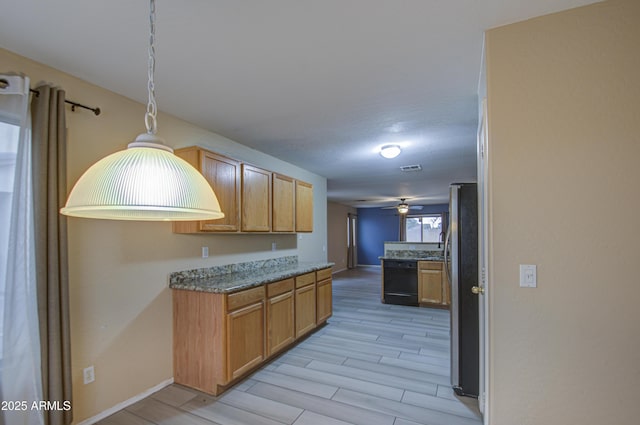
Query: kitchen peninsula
{"type": "Point", "coordinates": [413, 274]}
{"type": "Point", "coordinates": [228, 320]}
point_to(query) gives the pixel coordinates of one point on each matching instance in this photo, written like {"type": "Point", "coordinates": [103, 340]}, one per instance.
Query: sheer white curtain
{"type": "Point", "coordinates": [20, 365]}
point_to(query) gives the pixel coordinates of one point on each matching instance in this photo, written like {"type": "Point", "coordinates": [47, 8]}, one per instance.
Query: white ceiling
{"type": "Point", "coordinates": [317, 83]}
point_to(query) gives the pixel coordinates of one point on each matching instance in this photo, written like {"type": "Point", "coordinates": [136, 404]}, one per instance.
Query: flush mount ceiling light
{"type": "Point", "coordinates": [390, 151]}
{"type": "Point", "coordinates": [146, 181]}
{"type": "Point", "coordinates": [403, 207]}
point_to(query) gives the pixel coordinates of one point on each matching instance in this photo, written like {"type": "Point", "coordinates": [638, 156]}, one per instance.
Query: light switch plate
{"type": "Point", "coordinates": [528, 276]}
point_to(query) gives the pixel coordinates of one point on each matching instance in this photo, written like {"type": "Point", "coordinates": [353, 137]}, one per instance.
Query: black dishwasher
{"type": "Point", "coordinates": [400, 281]}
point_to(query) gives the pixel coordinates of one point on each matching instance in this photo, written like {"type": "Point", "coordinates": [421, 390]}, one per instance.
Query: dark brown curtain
{"type": "Point", "coordinates": [50, 191]}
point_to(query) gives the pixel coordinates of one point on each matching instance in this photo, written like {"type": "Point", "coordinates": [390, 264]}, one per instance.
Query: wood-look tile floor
{"type": "Point", "coordinates": [372, 364]}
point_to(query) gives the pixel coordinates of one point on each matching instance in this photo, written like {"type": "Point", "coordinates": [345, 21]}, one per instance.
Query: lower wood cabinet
{"type": "Point", "coordinates": [433, 287]}
{"type": "Point", "coordinates": [219, 338]}
{"type": "Point", "coordinates": [324, 297]}
{"type": "Point", "coordinates": [305, 303]}
{"type": "Point", "coordinates": [245, 331]}
{"type": "Point", "coordinates": [280, 315]}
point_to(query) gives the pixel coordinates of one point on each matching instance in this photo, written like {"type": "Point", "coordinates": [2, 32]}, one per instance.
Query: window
{"type": "Point", "coordinates": [424, 228]}
{"type": "Point", "coordinates": [9, 135]}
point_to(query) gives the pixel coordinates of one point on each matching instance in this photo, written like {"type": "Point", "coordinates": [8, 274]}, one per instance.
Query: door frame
{"type": "Point", "coordinates": [483, 259]}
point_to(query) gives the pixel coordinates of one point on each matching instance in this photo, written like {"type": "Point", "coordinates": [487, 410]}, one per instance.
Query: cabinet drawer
{"type": "Point", "coordinates": [243, 298]}
{"type": "Point", "coordinates": [280, 287]}
{"type": "Point", "coordinates": [429, 265]}
{"type": "Point", "coordinates": [305, 279]}
{"type": "Point", "coordinates": [323, 274]}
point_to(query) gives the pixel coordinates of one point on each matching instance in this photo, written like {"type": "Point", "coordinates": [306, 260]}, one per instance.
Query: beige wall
{"type": "Point", "coordinates": [564, 145]}
{"type": "Point", "coordinates": [337, 234]}
{"type": "Point", "coordinates": [120, 302]}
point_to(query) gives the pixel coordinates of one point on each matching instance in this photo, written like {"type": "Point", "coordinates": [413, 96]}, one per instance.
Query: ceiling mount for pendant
{"type": "Point", "coordinates": [146, 181]}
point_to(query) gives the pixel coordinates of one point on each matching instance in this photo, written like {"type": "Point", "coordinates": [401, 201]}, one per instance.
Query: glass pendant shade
{"type": "Point", "coordinates": [145, 182]}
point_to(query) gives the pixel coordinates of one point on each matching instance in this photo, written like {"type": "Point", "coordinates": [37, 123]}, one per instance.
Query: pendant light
{"type": "Point", "coordinates": [146, 181]}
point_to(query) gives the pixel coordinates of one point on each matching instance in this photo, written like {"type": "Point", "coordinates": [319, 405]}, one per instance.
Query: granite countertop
{"type": "Point", "coordinates": [418, 255]}
{"type": "Point", "coordinates": [237, 281]}
{"type": "Point", "coordinates": [429, 258]}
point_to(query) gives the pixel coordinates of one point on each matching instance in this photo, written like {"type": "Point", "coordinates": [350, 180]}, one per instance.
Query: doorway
{"type": "Point", "coordinates": [352, 244]}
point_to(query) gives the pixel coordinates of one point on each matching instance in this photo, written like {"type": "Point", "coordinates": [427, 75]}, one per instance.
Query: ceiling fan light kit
{"type": "Point", "coordinates": [390, 151]}
{"type": "Point", "coordinates": [403, 207]}
{"type": "Point", "coordinates": [145, 182]}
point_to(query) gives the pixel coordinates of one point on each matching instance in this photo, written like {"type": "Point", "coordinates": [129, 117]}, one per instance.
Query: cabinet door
{"type": "Point", "coordinates": [256, 199]}
{"type": "Point", "coordinates": [324, 300]}
{"type": "Point", "coordinates": [430, 288]}
{"type": "Point", "coordinates": [305, 309]}
{"type": "Point", "coordinates": [283, 205]}
{"type": "Point", "coordinates": [245, 339]}
{"type": "Point", "coordinates": [304, 207]}
{"type": "Point", "coordinates": [280, 326]}
{"type": "Point", "coordinates": [223, 174]}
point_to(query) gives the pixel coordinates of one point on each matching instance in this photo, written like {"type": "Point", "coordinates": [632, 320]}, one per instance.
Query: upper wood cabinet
{"type": "Point", "coordinates": [256, 199]}
{"type": "Point", "coordinates": [304, 207]}
{"type": "Point", "coordinates": [283, 203]}
{"type": "Point", "coordinates": [252, 199]}
{"type": "Point", "coordinates": [223, 174]}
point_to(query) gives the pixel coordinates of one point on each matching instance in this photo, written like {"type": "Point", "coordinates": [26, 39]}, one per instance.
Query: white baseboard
{"type": "Point", "coordinates": [110, 411]}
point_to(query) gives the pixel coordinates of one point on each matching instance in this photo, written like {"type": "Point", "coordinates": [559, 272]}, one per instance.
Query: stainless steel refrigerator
{"type": "Point", "coordinates": [461, 258]}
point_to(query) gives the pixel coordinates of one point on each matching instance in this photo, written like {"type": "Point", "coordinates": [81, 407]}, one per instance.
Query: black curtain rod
{"type": "Point", "coordinates": [72, 103]}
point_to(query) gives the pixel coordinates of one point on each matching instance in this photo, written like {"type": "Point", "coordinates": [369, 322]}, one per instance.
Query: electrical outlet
{"type": "Point", "coordinates": [205, 252]}
{"type": "Point", "coordinates": [274, 246]}
{"type": "Point", "coordinates": [89, 375]}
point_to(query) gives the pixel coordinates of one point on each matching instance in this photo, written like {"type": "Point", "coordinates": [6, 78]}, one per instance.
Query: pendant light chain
{"type": "Point", "coordinates": [146, 181]}
{"type": "Point", "coordinates": [150, 120]}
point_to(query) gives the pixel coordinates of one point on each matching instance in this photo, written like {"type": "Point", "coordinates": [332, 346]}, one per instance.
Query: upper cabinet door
{"type": "Point", "coordinates": [304, 207]}
{"type": "Point", "coordinates": [223, 174]}
{"type": "Point", "coordinates": [283, 204]}
{"type": "Point", "coordinates": [256, 199]}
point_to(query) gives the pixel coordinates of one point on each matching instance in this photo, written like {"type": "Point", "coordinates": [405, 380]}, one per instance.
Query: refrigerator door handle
{"type": "Point", "coordinates": [446, 257]}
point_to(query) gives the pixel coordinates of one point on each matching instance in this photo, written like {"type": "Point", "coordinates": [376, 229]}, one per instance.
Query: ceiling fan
{"type": "Point", "coordinates": [403, 207]}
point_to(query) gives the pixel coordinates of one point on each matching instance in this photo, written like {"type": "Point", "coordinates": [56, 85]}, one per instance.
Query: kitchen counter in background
{"type": "Point", "coordinates": [417, 255]}
{"type": "Point", "coordinates": [414, 274]}
{"type": "Point", "coordinates": [426, 251]}
{"type": "Point", "coordinates": [237, 277]}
